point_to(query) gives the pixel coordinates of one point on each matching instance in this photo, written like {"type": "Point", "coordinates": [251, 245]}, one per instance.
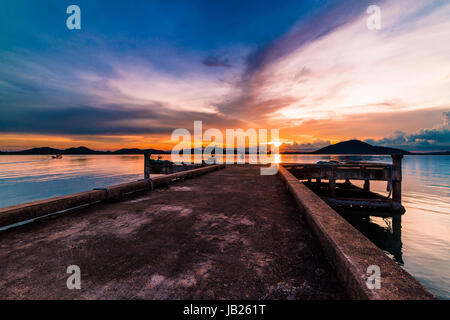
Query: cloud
{"type": "Point", "coordinates": [215, 61]}
{"type": "Point", "coordinates": [304, 147]}
{"type": "Point", "coordinates": [335, 68]}
{"type": "Point", "coordinates": [107, 93]}
{"type": "Point", "coordinates": [106, 120]}
{"type": "Point", "coordinates": [329, 77]}
{"type": "Point", "coordinates": [307, 31]}
{"type": "Point", "coordinates": [433, 139]}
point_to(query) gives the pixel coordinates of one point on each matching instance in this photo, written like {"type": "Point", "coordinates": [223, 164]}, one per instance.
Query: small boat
{"type": "Point", "coordinates": [57, 156]}
{"type": "Point", "coordinates": [329, 163]}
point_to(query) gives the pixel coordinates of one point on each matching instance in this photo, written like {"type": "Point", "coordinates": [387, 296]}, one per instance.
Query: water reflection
{"type": "Point", "coordinates": [387, 238]}
{"type": "Point", "coordinates": [423, 249]}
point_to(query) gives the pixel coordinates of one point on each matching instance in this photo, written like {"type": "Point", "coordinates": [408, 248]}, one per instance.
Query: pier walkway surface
{"type": "Point", "coordinates": [230, 234]}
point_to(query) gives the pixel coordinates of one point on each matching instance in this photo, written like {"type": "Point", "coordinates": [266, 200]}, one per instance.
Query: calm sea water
{"type": "Point", "coordinates": [423, 250]}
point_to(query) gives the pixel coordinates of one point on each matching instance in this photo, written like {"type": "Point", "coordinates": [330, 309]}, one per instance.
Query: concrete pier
{"type": "Point", "coordinates": [229, 234]}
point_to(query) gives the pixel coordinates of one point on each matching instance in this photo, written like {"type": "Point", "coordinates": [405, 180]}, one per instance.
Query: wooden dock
{"type": "Point", "coordinates": [347, 196]}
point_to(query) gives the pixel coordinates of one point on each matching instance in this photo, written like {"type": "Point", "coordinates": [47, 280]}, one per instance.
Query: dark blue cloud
{"type": "Point", "coordinates": [201, 24]}
{"type": "Point", "coordinates": [108, 120]}
{"type": "Point", "coordinates": [433, 139]}
{"type": "Point", "coordinates": [41, 60]}
{"type": "Point", "coordinates": [215, 61]}
{"type": "Point", "coordinates": [323, 18]}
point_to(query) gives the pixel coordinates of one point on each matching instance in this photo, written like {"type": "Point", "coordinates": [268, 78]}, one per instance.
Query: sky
{"type": "Point", "coordinates": [138, 70]}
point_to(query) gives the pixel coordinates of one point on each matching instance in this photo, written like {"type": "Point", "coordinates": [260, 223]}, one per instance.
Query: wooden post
{"type": "Point", "coordinates": [366, 185]}
{"type": "Point", "coordinates": [147, 165]}
{"type": "Point", "coordinates": [397, 226]}
{"type": "Point", "coordinates": [397, 177]}
{"type": "Point", "coordinates": [397, 191]}
{"type": "Point", "coordinates": [332, 186]}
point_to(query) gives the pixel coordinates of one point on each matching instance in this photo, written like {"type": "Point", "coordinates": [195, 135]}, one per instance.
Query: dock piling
{"type": "Point", "coordinates": [147, 168]}
{"type": "Point", "coordinates": [397, 177]}
{"type": "Point", "coordinates": [397, 227]}
{"type": "Point", "coordinates": [332, 186]}
{"type": "Point", "coordinates": [366, 185]}
{"type": "Point", "coordinates": [318, 183]}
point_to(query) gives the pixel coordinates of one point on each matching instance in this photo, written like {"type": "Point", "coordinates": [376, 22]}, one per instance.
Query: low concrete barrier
{"type": "Point", "coordinates": [32, 210]}
{"type": "Point", "coordinates": [163, 180]}
{"type": "Point", "coordinates": [119, 191]}
{"type": "Point", "coordinates": [350, 252]}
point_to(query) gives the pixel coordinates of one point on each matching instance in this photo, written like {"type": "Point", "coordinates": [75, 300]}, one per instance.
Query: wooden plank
{"type": "Point", "coordinates": [366, 203]}
{"type": "Point", "coordinates": [354, 173]}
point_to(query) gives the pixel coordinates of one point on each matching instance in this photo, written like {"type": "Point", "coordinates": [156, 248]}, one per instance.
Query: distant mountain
{"type": "Point", "coordinates": [129, 151]}
{"type": "Point", "coordinates": [345, 147]}
{"type": "Point", "coordinates": [139, 151]}
{"type": "Point", "coordinates": [36, 151]}
{"type": "Point", "coordinates": [357, 147]}
{"type": "Point", "coordinates": [81, 151]}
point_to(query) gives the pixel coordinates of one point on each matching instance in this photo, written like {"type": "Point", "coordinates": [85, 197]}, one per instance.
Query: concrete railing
{"type": "Point", "coordinates": [350, 252]}
{"type": "Point", "coordinates": [32, 210]}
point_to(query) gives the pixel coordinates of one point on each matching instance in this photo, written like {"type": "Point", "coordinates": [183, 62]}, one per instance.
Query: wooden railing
{"type": "Point", "coordinates": [347, 171]}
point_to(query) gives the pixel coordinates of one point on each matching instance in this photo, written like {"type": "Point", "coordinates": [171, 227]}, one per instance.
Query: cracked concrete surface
{"type": "Point", "coordinates": [230, 234]}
